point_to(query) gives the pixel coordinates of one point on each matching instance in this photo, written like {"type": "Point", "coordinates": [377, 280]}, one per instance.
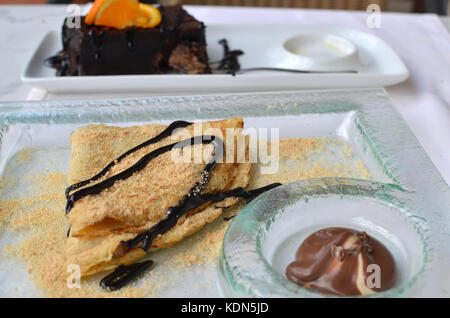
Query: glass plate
{"type": "Point", "coordinates": [365, 119]}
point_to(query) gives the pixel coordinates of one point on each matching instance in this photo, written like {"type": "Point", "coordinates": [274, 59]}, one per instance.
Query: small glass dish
{"type": "Point", "coordinates": [263, 238]}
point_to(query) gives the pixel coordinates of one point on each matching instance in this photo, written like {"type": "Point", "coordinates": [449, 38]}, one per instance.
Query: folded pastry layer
{"type": "Point", "coordinates": [100, 222]}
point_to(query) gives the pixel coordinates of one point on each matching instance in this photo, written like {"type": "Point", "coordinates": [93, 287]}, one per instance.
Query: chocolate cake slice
{"type": "Point", "coordinates": [176, 45]}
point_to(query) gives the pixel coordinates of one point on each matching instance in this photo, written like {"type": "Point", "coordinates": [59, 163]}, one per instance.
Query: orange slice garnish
{"type": "Point", "coordinates": [149, 16]}
{"type": "Point", "coordinates": [90, 17]}
{"type": "Point", "coordinates": [121, 14]}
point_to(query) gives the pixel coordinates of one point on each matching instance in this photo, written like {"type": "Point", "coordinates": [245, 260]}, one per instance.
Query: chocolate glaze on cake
{"type": "Point", "coordinates": [176, 45]}
{"type": "Point", "coordinates": [335, 261]}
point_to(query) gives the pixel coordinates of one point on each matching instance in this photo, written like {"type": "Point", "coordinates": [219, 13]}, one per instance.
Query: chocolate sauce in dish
{"type": "Point", "coordinates": [342, 262]}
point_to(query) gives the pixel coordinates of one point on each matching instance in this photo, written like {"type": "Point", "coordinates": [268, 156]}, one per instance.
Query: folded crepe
{"type": "Point", "coordinates": [101, 222]}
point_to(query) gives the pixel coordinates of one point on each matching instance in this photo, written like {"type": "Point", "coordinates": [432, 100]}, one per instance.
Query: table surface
{"type": "Point", "coordinates": [422, 41]}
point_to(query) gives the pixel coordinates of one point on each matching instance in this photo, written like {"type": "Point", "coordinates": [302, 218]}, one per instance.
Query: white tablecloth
{"type": "Point", "coordinates": [422, 42]}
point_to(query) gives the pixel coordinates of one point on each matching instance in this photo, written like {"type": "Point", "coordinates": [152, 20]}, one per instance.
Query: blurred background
{"type": "Point", "coordinates": [440, 7]}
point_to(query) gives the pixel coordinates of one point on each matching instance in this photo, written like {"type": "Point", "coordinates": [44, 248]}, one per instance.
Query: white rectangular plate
{"type": "Point", "coordinates": [263, 47]}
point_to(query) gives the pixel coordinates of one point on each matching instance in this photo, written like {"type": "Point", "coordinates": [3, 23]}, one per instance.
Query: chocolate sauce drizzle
{"type": "Point", "coordinates": [58, 62]}
{"type": "Point", "coordinates": [130, 35]}
{"type": "Point", "coordinates": [227, 218]}
{"type": "Point", "coordinates": [97, 40]}
{"type": "Point", "coordinates": [117, 278]}
{"type": "Point", "coordinates": [165, 133]}
{"type": "Point", "coordinates": [191, 201]}
{"type": "Point", "coordinates": [142, 163]}
{"type": "Point", "coordinates": [123, 275]}
{"type": "Point", "coordinates": [230, 61]}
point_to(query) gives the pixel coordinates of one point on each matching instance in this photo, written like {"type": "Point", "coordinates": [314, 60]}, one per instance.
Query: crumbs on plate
{"type": "Point", "coordinates": [36, 218]}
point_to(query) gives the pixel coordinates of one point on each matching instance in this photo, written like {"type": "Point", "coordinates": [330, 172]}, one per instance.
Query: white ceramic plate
{"type": "Point", "coordinates": [377, 63]}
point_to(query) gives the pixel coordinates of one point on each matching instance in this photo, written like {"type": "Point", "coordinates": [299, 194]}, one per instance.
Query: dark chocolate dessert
{"type": "Point", "coordinates": [342, 262]}
{"type": "Point", "coordinates": [176, 45]}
